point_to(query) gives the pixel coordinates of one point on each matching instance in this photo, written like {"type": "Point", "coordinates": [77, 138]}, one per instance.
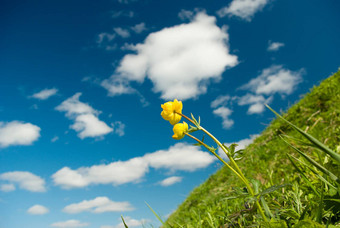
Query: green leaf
{"type": "Point", "coordinates": [272, 189]}
{"type": "Point", "coordinates": [313, 140]}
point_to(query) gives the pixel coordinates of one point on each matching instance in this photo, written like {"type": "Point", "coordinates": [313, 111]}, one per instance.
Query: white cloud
{"type": "Point", "coordinates": [243, 143]}
{"type": "Point", "coordinates": [25, 180]}
{"type": "Point", "coordinates": [170, 181]}
{"type": "Point", "coordinates": [98, 205]}
{"type": "Point", "coordinates": [116, 173]}
{"type": "Point", "coordinates": [256, 102]}
{"type": "Point", "coordinates": [122, 13]}
{"type": "Point", "coordinates": [119, 128]}
{"type": "Point", "coordinates": [7, 187]}
{"type": "Point", "coordinates": [275, 79]}
{"type": "Point", "coordinates": [45, 94]}
{"type": "Point", "coordinates": [244, 9]}
{"type": "Point", "coordinates": [18, 133]}
{"type": "Point", "coordinates": [180, 60]}
{"type": "Point", "coordinates": [124, 33]}
{"type": "Point", "coordinates": [130, 222]}
{"type": "Point", "coordinates": [86, 123]}
{"type": "Point", "coordinates": [224, 113]}
{"type": "Point", "coordinates": [70, 224]}
{"type": "Point", "coordinates": [178, 157]}
{"type": "Point", "coordinates": [38, 210]}
{"type": "Point", "coordinates": [274, 46]}
{"type": "Point", "coordinates": [220, 101]}
{"type": "Point", "coordinates": [139, 28]}
{"type": "Point", "coordinates": [54, 139]}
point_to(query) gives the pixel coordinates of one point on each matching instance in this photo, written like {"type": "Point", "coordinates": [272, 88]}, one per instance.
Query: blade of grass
{"type": "Point", "coordinates": [314, 163]}
{"type": "Point", "coordinates": [157, 216]}
{"type": "Point", "coordinates": [124, 222]}
{"type": "Point", "coordinates": [313, 140]}
{"type": "Point", "coordinates": [303, 175]}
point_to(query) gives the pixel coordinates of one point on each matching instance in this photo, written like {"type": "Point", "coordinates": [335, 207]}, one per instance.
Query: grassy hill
{"type": "Point", "coordinates": [218, 202]}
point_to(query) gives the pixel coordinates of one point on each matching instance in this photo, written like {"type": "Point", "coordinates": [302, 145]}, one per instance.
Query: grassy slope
{"type": "Point", "coordinates": [265, 159]}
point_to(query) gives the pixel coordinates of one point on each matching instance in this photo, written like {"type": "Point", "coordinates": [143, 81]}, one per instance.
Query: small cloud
{"type": "Point", "coordinates": [274, 46]}
{"type": "Point", "coordinates": [245, 9]}
{"type": "Point", "coordinates": [45, 94]}
{"type": "Point", "coordinates": [70, 224]}
{"type": "Point", "coordinates": [18, 133]}
{"type": "Point", "coordinates": [275, 79]}
{"type": "Point", "coordinates": [139, 28]}
{"type": "Point", "coordinates": [124, 33]}
{"type": "Point", "coordinates": [25, 180]}
{"type": "Point", "coordinates": [85, 117]}
{"type": "Point", "coordinates": [122, 13]}
{"type": "Point", "coordinates": [98, 205]}
{"type": "Point", "coordinates": [220, 101]}
{"type": "Point", "coordinates": [256, 102]}
{"type": "Point", "coordinates": [189, 15]}
{"type": "Point", "coordinates": [54, 139]}
{"type": "Point", "coordinates": [170, 181]}
{"type": "Point", "coordinates": [38, 210]}
{"type": "Point", "coordinates": [119, 128]}
{"type": "Point", "coordinates": [224, 113]}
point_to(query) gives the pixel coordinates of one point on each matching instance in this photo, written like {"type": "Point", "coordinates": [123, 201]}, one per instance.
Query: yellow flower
{"type": "Point", "coordinates": [170, 110]}
{"type": "Point", "coordinates": [179, 130]}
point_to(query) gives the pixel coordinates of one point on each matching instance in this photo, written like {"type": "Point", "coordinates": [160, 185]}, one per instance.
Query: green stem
{"type": "Point", "coordinates": [238, 171]}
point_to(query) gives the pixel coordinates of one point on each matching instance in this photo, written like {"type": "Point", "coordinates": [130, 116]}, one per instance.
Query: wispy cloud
{"type": "Point", "coordinates": [245, 9]}
{"type": "Point", "coordinates": [124, 33]}
{"type": "Point", "coordinates": [181, 156]}
{"type": "Point", "coordinates": [70, 224]}
{"type": "Point", "coordinates": [38, 210]}
{"type": "Point", "coordinates": [274, 46]}
{"type": "Point", "coordinates": [18, 133]}
{"type": "Point", "coordinates": [170, 181]}
{"type": "Point", "coordinates": [86, 119]}
{"type": "Point", "coordinates": [25, 180]}
{"type": "Point", "coordinates": [139, 28]}
{"type": "Point", "coordinates": [179, 60]}
{"type": "Point", "coordinates": [98, 205]}
{"type": "Point", "coordinates": [128, 220]}
{"type": "Point", "coordinates": [45, 94]}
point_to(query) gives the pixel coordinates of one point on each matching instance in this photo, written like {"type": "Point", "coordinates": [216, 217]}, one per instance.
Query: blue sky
{"type": "Point", "coordinates": [81, 137]}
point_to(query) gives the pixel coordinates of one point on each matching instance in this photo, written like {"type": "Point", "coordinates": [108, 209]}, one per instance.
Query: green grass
{"type": "Point", "coordinates": [296, 196]}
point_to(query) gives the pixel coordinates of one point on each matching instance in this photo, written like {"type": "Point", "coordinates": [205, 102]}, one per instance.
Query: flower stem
{"type": "Point", "coordinates": [237, 172]}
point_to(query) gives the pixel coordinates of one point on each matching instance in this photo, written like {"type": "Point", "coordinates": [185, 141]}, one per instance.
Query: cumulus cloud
{"type": "Point", "coordinates": [45, 94]}
{"type": "Point", "coordinates": [70, 224]}
{"type": "Point", "coordinates": [224, 113]}
{"type": "Point", "coordinates": [178, 157]}
{"type": "Point", "coordinates": [18, 133]}
{"type": "Point", "coordinates": [274, 46]}
{"type": "Point", "coordinates": [98, 205]}
{"type": "Point", "coordinates": [119, 128]}
{"type": "Point", "coordinates": [180, 60]}
{"type": "Point", "coordinates": [86, 119]}
{"type": "Point", "coordinates": [245, 9]}
{"type": "Point", "coordinates": [275, 79]}
{"type": "Point", "coordinates": [38, 210]}
{"type": "Point", "coordinates": [116, 173]}
{"type": "Point", "coordinates": [170, 181]}
{"type": "Point", "coordinates": [25, 180]}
